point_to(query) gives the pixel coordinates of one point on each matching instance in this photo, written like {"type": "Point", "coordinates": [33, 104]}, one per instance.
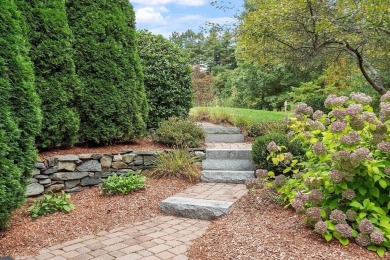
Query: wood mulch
{"type": "Point", "coordinates": [257, 228]}
{"type": "Point", "coordinates": [143, 144]}
{"type": "Point", "coordinates": [93, 213]}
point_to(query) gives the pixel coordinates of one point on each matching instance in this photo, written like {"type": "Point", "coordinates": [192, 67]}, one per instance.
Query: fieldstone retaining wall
{"type": "Point", "coordinates": [72, 173]}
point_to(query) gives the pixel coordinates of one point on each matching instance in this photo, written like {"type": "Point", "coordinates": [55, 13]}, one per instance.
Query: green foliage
{"type": "Point", "coordinates": [347, 166]}
{"type": "Point", "coordinates": [123, 184]}
{"type": "Point", "coordinates": [19, 112]}
{"type": "Point", "coordinates": [176, 163]}
{"type": "Point", "coordinates": [256, 86]}
{"type": "Point", "coordinates": [260, 152]}
{"type": "Point", "coordinates": [56, 82]}
{"type": "Point", "coordinates": [167, 78]}
{"type": "Point", "coordinates": [213, 49]}
{"type": "Point", "coordinates": [51, 203]}
{"type": "Point", "coordinates": [230, 113]}
{"type": "Point", "coordinates": [177, 132]}
{"type": "Point", "coordinates": [112, 102]}
{"type": "Point", "coordinates": [265, 128]}
{"type": "Point", "coordinates": [278, 31]}
{"type": "Point", "coordinates": [317, 103]}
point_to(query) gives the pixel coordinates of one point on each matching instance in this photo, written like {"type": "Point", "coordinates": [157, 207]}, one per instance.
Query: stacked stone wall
{"type": "Point", "coordinates": [73, 173]}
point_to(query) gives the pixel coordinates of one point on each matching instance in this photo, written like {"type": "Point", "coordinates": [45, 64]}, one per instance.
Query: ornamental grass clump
{"type": "Point", "coordinates": [177, 163]}
{"type": "Point", "coordinates": [342, 183]}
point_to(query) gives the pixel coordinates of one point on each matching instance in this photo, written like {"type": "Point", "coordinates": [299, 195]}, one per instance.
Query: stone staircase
{"type": "Point", "coordinates": [227, 166]}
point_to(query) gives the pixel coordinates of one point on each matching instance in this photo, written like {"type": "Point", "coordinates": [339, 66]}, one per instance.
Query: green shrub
{"type": "Point", "coordinates": [177, 163]}
{"type": "Point", "coordinates": [242, 122]}
{"type": "Point", "coordinates": [56, 82]}
{"type": "Point", "coordinates": [265, 128]}
{"type": "Point", "coordinates": [167, 78]}
{"type": "Point", "coordinates": [177, 132]}
{"type": "Point", "coordinates": [200, 114]}
{"type": "Point", "coordinates": [343, 184]}
{"type": "Point", "coordinates": [19, 112]}
{"type": "Point", "coordinates": [112, 102]}
{"type": "Point", "coordinates": [123, 184]}
{"type": "Point", "coordinates": [260, 153]}
{"type": "Point", "coordinates": [51, 203]}
{"type": "Point", "coordinates": [317, 103]}
{"type": "Point", "coordinates": [221, 117]}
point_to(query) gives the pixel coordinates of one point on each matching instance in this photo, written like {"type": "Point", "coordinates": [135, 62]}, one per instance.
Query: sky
{"type": "Point", "coordinates": [167, 16]}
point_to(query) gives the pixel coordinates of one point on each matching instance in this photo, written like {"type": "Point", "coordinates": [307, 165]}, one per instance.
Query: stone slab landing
{"type": "Point", "coordinates": [204, 201]}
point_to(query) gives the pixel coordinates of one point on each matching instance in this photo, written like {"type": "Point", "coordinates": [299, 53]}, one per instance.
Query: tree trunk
{"type": "Point", "coordinates": [375, 81]}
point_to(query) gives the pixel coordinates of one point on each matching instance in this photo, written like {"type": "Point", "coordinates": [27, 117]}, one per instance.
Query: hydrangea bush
{"type": "Point", "coordinates": [342, 187]}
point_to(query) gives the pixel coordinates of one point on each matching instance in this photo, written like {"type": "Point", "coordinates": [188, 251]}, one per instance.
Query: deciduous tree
{"type": "Point", "coordinates": [300, 31]}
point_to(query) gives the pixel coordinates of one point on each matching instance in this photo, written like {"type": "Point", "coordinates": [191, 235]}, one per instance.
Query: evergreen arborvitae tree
{"type": "Point", "coordinates": [19, 111]}
{"type": "Point", "coordinates": [112, 103]}
{"type": "Point", "coordinates": [167, 77]}
{"type": "Point", "coordinates": [56, 82]}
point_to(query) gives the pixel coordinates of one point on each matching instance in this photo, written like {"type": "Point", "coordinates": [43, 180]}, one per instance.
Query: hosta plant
{"type": "Point", "coordinates": [342, 187]}
{"type": "Point", "coordinates": [123, 184]}
{"type": "Point", "coordinates": [51, 203]}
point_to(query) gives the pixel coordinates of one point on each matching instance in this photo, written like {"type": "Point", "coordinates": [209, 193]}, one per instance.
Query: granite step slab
{"type": "Point", "coordinates": [229, 165]}
{"type": "Point", "coordinates": [227, 176]}
{"type": "Point", "coordinates": [244, 154]}
{"type": "Point", "coordinates": [195, 208]}
{"type": "Point", "coordinates": [220, 130]}
{"type": "Point", "coordinates": [224, 138]}
{"type": "Point", "coordinates": [204, 200]}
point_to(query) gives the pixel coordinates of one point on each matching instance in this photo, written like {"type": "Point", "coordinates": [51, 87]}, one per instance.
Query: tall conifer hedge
{"type": "Point", "coordinates": [19, 111]}
{"type": "Point", "coordinates": [167, 77]}
{"type": "Point", "coordinates": [112, 102]}
{"type": "Point", "coordinates": [56, 81]}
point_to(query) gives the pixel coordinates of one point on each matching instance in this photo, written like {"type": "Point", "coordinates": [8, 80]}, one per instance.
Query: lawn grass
{"type": "Point", "coordinates": [250, 115]}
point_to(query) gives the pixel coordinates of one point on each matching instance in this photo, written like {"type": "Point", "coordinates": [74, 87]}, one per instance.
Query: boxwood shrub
{"type": "Point", "coordinates": [260, 153]}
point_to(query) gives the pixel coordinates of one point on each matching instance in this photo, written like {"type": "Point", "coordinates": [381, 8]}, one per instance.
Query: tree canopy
{"type": "Point", "coordinates": [297, 32]}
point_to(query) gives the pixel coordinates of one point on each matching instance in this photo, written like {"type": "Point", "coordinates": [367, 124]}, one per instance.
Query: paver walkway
{"type": "Point", "coordinates": [166, 237]}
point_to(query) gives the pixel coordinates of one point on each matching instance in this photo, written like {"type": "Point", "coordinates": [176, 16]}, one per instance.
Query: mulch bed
{"type": "Point", "coordinates": [257, 228]}
{"type": "Point", "coordinates": [93, 213]}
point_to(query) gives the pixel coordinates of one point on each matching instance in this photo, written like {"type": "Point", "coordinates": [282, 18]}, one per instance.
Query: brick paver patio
{"type": "Point", "coordinates": [164, 237]}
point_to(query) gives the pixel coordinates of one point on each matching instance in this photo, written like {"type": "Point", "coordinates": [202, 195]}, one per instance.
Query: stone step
{"type": "Point", "coordinates": [220, 130]}
{"type": "Point", "coordinates": [245, 154]}
{"type": "Point", "coordinates": [230, 165]}
{"type": "Point", "coordinates": [224, 138]}
{"type": "Point", "coordinates": [227, 176]}
{"type": "Point", "coordinates": [195, 208]}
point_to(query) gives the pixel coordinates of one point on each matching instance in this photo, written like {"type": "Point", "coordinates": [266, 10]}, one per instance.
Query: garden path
{"type": "Point", "coordinates": [169, 237]}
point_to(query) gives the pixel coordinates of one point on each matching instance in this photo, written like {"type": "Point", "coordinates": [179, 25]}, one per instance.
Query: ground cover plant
{"type": "Point", "coordinates": [179, 132]}
{"type": "Point", "coordinates": [51, 203]}
{"type": "Point", "coordinates": [342, 187]}
{"type": "Point", "coordinates": [176, 163]}
{"type": "Point", "coordinates": [123, 184]}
